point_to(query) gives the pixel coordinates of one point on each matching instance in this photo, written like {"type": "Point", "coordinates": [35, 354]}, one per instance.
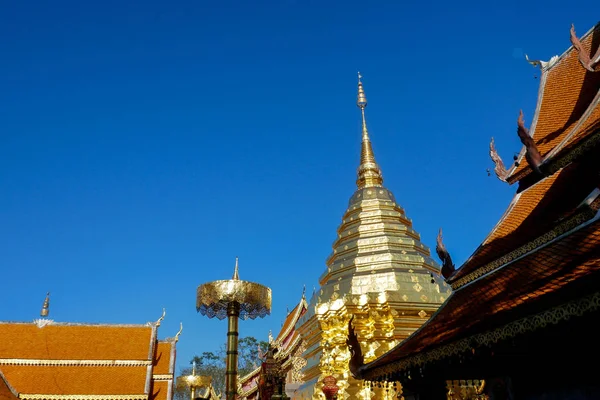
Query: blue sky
{"type": "Point", "coordinates": [144, 145]}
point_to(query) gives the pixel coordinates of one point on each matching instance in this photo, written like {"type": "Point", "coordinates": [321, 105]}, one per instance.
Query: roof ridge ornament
{"type": "Point", "coordinates": [544, 65]}
{"type": "Point", "coordinates": [589, 63]}
{"type": "Point", "coordinates": [369, 173]}
{"type": "Point", "coordinates": [447, 264]}
{"type": "Point", "coordinates": [176, 338]}
{"type": "Point", "coordinates": [532, 155]}
{"type": "Point", "coordinates": [499, 167]}
{"type": "Point", "coordinates": [162, 317]}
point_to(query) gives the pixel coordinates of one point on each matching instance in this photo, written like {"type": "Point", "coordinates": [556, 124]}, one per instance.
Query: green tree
{"type": "Point", "coordinates": [213, 364]}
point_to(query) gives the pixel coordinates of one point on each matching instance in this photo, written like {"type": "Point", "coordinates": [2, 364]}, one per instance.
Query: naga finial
{"type": "Point", "coordinates": [176, 338]}
{"type": "Point", "coordinates": [589, 63]}
{"type": "Point", "coordinates": [356, 356]}
{"type": "Point", "coordinates": [162, 317]}
{"type": "Point", "coordinates": [499, 167]}
{"type": "Point", "coordinates": [532, 155]}
{"type": "Point", "coordinates": [440, 249]}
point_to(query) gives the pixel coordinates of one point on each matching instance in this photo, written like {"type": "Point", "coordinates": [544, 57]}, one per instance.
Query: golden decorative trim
{"type": "Point", "coordinates": [82, 363]}
{"type": "Point", "coordinates": [561, 162]}
{"type": "Point", "coordinates": [162, 377]}
{"type": "Point", "coordinates": [571, 223]}
{"type": "Point", "coordinates": [527, 324]}
{"type": "Point", "coordinates": [83, 396]}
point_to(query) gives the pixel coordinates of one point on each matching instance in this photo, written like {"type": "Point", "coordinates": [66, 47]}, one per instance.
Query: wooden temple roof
{"type": "Point", "coordinates": [531, 214]}
{"type": "Point", "coordinates": [49, 360]}
{"type": "Point", "coordinates": [541, 262]}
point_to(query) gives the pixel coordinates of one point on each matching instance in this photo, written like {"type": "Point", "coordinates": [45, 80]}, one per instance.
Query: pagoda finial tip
{"type": "Point", "coordinates": [46, 306]}
{"type": "Point", "coordinates": [361, 99]}
{"type": "Point", "coordinates": [369, 173]}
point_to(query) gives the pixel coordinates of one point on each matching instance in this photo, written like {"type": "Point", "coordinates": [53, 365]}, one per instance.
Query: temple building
{"type": "Point", "coordinates": [519, 323]}
{"type": "Point", "coordinates": [379, 272]}
{"type": "Point", "coordinates": [47, 360]}
{"type": "Point", "coordinates": [287, 354]}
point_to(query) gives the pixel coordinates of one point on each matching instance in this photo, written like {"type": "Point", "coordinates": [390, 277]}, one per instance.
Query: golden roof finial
{"type": "Point", "coordinates": [369, 173]}
{"type": "Point", "coordinates": [46, 307]}
{"type": "Point", "coordinates": [236, 274]}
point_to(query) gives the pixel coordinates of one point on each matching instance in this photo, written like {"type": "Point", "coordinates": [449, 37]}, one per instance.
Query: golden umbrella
{"type": "Point", "coordinates": [233, 299]}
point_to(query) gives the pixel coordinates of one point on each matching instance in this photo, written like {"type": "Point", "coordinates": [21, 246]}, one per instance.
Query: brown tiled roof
{"type": "Point", "coordinates": [590, 126]}
{"type": "Point", "coordinates": [81, 342]}
{"type": "Point", "coordinates": [533, 212]}
{"type": "Point", "coordinates": [566, 92]}
{"type": "Point", "coordinates": [566, 269]}
{"type": "Point", "coordinates": [69, 380]}
{"type": "Point", "coordinates": [162, 359]}
{"type": "Point", "coordinates": [6, 392]}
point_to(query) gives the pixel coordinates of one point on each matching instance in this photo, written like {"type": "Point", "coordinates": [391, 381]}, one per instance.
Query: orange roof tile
{"type": "Point", "coordinates": [533, 212]}
{"type": "Point", "coordinates": [81, 342]}
{"type": "Point", "coordinates": [160, 390]}
{"type": "Point", "coordinates": [162, 359]}
{"type": "Point", "coordinates": [567, 92]}
{"type": "Point", "coordinates": [68, 380]}
{"type": "Point", "coordinates": [590, 126]}
{"type": "Point", "coordinates": [5, 391]}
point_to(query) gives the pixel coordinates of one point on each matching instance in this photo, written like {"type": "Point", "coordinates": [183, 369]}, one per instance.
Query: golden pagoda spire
{"type": "Point", "coordinates": [236, 274]}
{"type": "Point", "coordinates": [369, 173]}
{"type": "Point", "coordinates": [46, 307]}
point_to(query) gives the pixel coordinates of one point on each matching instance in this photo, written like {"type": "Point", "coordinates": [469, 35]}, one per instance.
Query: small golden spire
{"type": "Point", "coordinates": [369, 173]}
{"type": "Point", "coordinates": [236, 274]}
{"type": "Point", "coordinates": [46, 307]}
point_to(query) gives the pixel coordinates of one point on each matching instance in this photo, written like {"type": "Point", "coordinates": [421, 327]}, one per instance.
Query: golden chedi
{"type": "Point", "coordinates": [379, 272]}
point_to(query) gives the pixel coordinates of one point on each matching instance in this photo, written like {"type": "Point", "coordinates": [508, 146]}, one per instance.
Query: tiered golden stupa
{"type": "Point", "coordinates": [379, 272]}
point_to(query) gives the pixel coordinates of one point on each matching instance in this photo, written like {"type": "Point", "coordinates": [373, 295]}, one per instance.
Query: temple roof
{"type": "Point", "coordinates": [531, 214]}
{"type": "Point", "coordinates": [526, 287]}
{"type": "Point", "coordinates": [568, 93]}
{"type": "Point", "coordinates": [53, 360]}
{"type": "Point", "coordinates": [377, 247]}
{"type": "Point", "coordinates": [60, 341]}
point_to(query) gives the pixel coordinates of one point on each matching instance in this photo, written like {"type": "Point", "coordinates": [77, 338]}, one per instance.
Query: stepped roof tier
{"type": "Point", "coordinates": [288, 348]}
{"type": "Point", "coordinates": [538, 271]}
{"type": "Point", "coordinates": [50, 360]}
{"type": "Point", "coordinates": [379, 273]}
{"type": "Point", "coordinates": [377, 248]}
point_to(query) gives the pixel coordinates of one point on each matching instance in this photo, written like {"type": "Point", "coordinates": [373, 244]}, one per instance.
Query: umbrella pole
{"type": "Point", "coordinates": [231, 361]}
